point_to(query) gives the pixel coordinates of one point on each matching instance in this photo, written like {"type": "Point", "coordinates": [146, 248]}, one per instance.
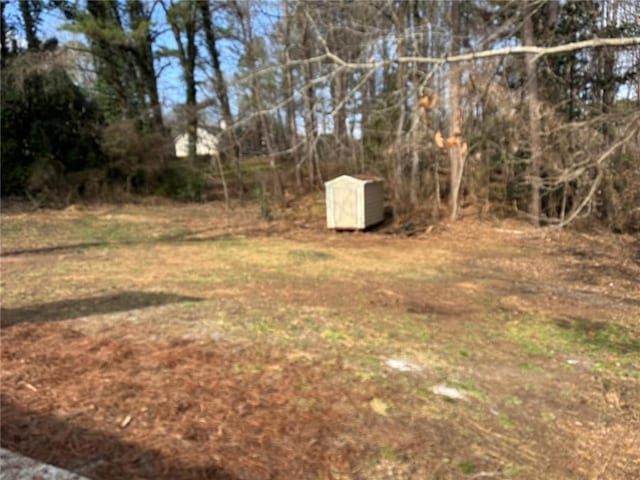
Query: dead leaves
{"type": "Point", "coordinates": [380, 407]}
{"type": "Point", "coordinates": [428, 102]}
{"type": "Point", "coordinates": [452, 142]}
{"type": "Point", "coordinates": [455, 141]}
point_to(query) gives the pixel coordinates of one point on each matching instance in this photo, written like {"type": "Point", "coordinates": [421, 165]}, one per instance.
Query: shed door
{"type": "Point", "coordinates": [345, 207]}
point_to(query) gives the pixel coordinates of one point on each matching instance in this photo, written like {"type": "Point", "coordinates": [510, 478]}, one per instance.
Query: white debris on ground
{"type": "Point", "coordinates": [402, 366]}
{"type": "Point", "coordinates": [449, 392]}
{"type": "Point", "coordinates": [17, 467]}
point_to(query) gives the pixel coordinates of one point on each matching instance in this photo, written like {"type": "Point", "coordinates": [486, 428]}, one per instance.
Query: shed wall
{"type": "Point", "coordinates": [373, 204]}
{"type": "Point", "coordinates": [346, 205]}
{"type": "Point", "coordinates": [354, 204]}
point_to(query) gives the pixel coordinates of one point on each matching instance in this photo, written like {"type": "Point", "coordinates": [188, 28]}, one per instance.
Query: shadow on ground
{"type": "Point", "coordinates": [181, 238]}
{"type": "Point", "coordinates": [82, 307]}
{"type": "Point", "coordinates": [98, 244]}
{"type": "Point", "coordinates": [91, 453]}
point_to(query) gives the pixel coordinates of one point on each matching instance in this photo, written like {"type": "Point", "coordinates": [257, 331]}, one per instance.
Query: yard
{"type": "Point", "coordinates": [181, 342]}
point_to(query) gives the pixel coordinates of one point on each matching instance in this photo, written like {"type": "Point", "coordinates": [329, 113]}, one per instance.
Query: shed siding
{"type": "Point", "coordinates": [354, 203]}
{"type": "Point", "coordinates": [346, 202]}
{"type": "Point", "coordinates": [374, 203]}
{"type": "Point", "coordinates": [331, 218]}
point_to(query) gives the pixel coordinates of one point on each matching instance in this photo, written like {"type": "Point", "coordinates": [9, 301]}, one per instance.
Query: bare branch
{"type": "Point", "coordinates": [520, 50]}
{"type": "Point", "coordinates": [576, 211]}
{"type": "Point", "coordinates": [577, 170]}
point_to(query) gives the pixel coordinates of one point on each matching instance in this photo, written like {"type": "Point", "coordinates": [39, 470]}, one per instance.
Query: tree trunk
{"type": "Point", "coordinates": [535, 128]}
{"type": "Point", "coordinates": [417, 129]}
{"type": "Point", "coordinates": [220, 84]}
{"type": "Point", "coordinates": [4, 50]}
{"type": "Point", "coordinates": [144, 60]}
{"type": "Point", "coordinates": [340, 117]}
{"type": "Point", "coordinates": [265, 127]}
{"type": "Point", "coordinates": [455, 120]}
{"type": "Point", "coordinates": [288, 89]}
{"type": "Point", "coordinates": [190, 80]}
{"type": "Point", "coordinates": [607, 74]}
{"type": "Point", "coordinates": [184, 22]}
{"type": "Point", "coordinates": [30, 27]}
{"type": "Point", "coordinates": [309, 107]}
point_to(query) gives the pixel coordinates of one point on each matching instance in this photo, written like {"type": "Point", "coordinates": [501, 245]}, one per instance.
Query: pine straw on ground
{"type": "Point", "coordinates": [114, 409]}
{"type": "Point", "coordinates": [111, 402]}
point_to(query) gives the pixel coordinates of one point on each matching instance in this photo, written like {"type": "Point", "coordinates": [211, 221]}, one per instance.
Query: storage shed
{"type": "Point", "coordinates": [354, 202]}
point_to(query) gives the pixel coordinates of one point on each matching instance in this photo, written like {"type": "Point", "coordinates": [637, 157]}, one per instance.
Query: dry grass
{"type": "Point", "coordinates": [184, 342]}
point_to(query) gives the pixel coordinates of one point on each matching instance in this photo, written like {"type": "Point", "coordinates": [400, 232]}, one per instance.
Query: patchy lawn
{"type": "Point", "coordinates": [179, 342]}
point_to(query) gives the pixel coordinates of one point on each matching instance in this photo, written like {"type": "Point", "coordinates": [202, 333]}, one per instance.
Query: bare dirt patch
{"type": "Point", "coordinates": [186, 342]}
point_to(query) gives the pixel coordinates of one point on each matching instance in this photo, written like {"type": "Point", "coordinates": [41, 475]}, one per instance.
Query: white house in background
{"type": "Point", "coordinates": [206, 144]}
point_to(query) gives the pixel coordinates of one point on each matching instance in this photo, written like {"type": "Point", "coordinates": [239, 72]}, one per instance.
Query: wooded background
{"type": "Point", "coordinates": [514, 106]}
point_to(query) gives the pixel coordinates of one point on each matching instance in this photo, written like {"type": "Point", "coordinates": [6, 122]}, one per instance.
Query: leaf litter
{"type": "Point", "coordinates": [273, 404]}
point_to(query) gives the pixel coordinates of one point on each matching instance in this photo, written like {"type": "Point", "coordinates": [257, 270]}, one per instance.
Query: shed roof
{"type": "Point", "coordinates": [354, 179]}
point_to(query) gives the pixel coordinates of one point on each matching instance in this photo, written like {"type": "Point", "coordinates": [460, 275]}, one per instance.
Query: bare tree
{"type": "Point", "coordinates": [289, 81]}
{"type": "Point", "coordinates": [358, 75]}
{"type": "Point", "coordinates": [252, 43]}
{"type": "Point", "coordinates": [455, 115]}
{"type": "Point", "coordinates": [533, 104]}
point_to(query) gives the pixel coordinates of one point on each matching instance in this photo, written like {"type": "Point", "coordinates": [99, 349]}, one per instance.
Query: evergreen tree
{"type": "Point", "coordinates": [49, 127]}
